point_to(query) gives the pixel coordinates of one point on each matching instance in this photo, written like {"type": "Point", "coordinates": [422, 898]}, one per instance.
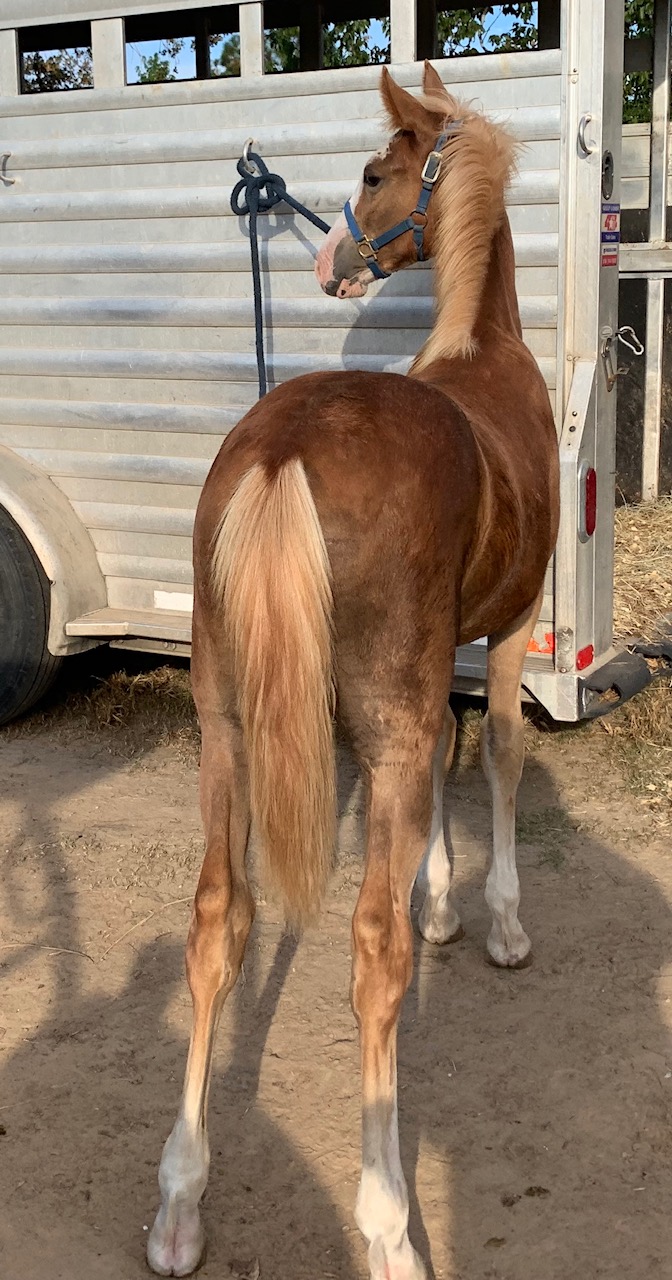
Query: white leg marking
{"type": "Point", "coordinates": [177, 1239]}
{"type": "Point", "coordinates": [508, 944]}
{"type": "Point", "coordinates": [438, 921]}
{"type": "Point", "coordinates": [381, 1212]}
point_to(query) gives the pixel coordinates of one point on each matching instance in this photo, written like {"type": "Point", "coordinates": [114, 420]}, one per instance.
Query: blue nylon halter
{"type": "Point", "coordinates": [368, 249]}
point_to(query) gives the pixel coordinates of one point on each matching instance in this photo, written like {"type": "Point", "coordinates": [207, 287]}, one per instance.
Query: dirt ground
{"type": "Point", "coordinates": [535, 1106]}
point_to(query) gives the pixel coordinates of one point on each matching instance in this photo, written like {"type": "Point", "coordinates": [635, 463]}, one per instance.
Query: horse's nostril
{"type": "Point", "coordinates": [331, 288]}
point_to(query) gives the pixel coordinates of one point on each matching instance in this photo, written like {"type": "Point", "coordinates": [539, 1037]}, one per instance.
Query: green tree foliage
{"type": "Point", "coordinates": [471, 31]}
{"type": "Point", "coordinates": [161, 65]}
{"type": "Point", "coordinates": [45, 72]}
{"type": "Point", "coordinates": [348, 44]}
{"type": "Point", "coordinates": [637, 85]}
{"type": "Point", "coordinates": [227, 61]}
{"type": "Point", "coordinates": [281, 49]}
{"type": "Point", "coordinates": [155, 69]}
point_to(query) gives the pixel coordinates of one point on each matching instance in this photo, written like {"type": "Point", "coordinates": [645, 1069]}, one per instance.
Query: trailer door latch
{"type": "Point", "coordinates": [609, 352]}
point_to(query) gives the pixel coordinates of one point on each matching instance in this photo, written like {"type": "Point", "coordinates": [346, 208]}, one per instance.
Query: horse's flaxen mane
{"type": "Point", "coordinates": [478, 162]}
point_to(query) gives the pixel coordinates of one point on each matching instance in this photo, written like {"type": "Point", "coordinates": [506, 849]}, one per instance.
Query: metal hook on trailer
{"type": "Point", "coordinates": [609, 343]}
{"type": "Point", "coordinates": [4, 160]}
{"type": "Point", "coordinates": [634, 345]}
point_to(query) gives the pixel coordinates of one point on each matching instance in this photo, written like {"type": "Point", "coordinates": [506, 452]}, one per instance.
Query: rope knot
{"type": "Point", "coordinates": [247, 199]}
{"type": "Point", "coordinates": [252, 184]}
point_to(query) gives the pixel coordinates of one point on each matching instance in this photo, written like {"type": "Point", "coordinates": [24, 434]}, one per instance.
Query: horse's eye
{"type": "Point", "coordinates": [371, 179]}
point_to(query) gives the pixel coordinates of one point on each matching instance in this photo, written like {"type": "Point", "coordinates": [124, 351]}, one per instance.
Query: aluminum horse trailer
{"type": "Point", "coordinates": [126, 317]}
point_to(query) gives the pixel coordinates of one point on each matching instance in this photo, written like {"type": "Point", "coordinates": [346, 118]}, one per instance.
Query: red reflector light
{"type": "Point", "coordinates": [591, 502]}
{"type": "Point", "coordinates": [585, 656]}
{"type": "Point", "coordinates": [587, 500]}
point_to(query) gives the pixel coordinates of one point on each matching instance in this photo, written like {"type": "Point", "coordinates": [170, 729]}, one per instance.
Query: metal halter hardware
{"type": "Point", "coordinates": [368, 249]}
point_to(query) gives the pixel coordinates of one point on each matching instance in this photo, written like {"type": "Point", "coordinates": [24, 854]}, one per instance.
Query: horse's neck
{"type": "Point", "coordinates": [496, 312]}
{"type": "Point", "coordinates": [499, 303]}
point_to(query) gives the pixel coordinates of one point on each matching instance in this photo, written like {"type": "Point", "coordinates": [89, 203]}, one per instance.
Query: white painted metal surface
{"type": "Point", "coordinates": [27, 13]}
{"type": "Point", "coordinates": [126, 321]}
{"type": "Point", "coordinates": [655, 290]}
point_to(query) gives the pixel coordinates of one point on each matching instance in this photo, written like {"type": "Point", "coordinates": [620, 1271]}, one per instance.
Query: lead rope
{"type": "Point", "coordinates": [254, 203]}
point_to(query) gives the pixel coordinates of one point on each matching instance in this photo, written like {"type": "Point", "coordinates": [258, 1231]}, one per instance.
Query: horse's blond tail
{"type": "Point", "coordinates": [271, 570]}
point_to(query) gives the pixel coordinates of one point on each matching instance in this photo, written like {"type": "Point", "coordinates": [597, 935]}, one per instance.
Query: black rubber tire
{"type": "Point", "coordinates": [27, 668]}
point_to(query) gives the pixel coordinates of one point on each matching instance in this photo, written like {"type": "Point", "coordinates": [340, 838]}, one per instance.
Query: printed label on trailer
{"type": "Point", "coordinates": [610, 234]}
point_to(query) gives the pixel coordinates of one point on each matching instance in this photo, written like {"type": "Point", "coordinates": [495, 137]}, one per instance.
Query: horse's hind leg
{"type": "Point", "coordinates": [399, 820]}
{"type": "Point", "coordinates": [502, 752]}
{"type": "Point", "coordinates": [438, 920]}
{"type": "Point", "coordinates": [221, 920]}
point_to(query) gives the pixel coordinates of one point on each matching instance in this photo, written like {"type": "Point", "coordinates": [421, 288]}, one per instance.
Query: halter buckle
{"type": "Point", "coordinates": [366, 250]}
{"type": "Point", "coordinates": [431, 168]}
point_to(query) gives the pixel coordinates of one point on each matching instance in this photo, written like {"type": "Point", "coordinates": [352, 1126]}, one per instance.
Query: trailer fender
{"type": "Point", "coordinates": [60, 542]}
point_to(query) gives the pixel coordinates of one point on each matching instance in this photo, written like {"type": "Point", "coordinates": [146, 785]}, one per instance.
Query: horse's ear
{"type": "Point", "coordinates": [403, 110]}
{"type": "Point", "coordinates": [432, 84]}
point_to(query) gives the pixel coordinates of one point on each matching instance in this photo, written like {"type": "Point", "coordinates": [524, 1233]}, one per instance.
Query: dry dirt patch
{"type": "Point", "coordinates": [535, 1107]}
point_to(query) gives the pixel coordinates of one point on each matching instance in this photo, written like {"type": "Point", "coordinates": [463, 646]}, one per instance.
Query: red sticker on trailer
{"type": "Point", "coordinates": [610, 233]}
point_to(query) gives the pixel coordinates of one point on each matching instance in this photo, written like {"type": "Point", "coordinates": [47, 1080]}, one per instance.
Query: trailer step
{"type": "Point", "coordinates": [149, 624]}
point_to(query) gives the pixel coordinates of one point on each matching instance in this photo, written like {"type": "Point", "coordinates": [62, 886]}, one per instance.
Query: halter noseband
{"type": "Point", "coordinates": [368, 249]}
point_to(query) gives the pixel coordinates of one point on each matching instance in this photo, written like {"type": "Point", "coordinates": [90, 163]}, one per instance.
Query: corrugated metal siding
{"type": "Point", "coordinates": [126, 323]}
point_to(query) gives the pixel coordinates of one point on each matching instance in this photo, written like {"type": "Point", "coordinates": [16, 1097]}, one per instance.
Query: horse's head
{"type": "Point", "coordinates": [390, 192]}
{"type": "Point", "coordinates": [437, 190]}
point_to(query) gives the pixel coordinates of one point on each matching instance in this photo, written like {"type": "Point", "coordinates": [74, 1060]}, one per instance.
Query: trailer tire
{"type": "Point", "coordinates": [27, 668]}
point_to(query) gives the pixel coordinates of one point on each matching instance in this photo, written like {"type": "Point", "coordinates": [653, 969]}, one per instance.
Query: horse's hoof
{"type": "Point", "coordinates": [510, 960]}
{"type": "Point", "coordinates": [439, 931]}
{"type": "Point", "coordinates": [176, 1250]}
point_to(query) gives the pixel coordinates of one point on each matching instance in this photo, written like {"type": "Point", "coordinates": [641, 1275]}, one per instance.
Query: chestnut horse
{"type": "Point", "coordinates": [355, 528]}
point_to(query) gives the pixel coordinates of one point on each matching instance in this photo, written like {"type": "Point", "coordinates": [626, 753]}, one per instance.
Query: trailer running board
{"type": "Point", "coordinates": [600, 691]}
{"type": "Point", "coordinates": [151, 630]}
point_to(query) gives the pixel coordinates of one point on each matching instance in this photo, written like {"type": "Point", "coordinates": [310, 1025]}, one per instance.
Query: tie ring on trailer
{"type": "Point", "coordinates": [251, 168]}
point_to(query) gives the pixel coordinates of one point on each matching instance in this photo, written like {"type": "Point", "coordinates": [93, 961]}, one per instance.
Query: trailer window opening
{"type": "Point", "coordinates": [192, 44]}
{"type": "Point", "coordinates": [477, 29]}
{"type": "Point", "coordinates": [495, 28]}
{"type": "Point", "coordinates": [55, 58]}
{"type": "Point", "coordinates": [638, 63]}
{"type": "Point", "coordinates": [343, 33]}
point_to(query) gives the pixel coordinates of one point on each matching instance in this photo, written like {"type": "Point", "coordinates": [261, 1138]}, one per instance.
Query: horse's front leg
{"type": "Point", "coordinates": [502, 753]}
{"type": "Point", "coordinates": [438, 920]}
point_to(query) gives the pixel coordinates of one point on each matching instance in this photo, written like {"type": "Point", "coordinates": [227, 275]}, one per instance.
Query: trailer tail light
{"type": "Point", "coordinates": [585, 657]}
{"type": "Point", "coordinates": [587, 501]}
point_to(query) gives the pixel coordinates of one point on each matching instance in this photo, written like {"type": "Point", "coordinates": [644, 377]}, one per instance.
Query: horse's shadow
{"type": "Point", "coordinates": [533, 1106]}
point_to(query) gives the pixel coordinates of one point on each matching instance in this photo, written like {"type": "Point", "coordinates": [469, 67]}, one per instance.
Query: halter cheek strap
{"type": "Point", "coordinates": [417, 220]}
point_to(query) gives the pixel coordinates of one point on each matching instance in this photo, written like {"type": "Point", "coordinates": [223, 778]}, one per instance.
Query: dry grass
{"type": "Point", "coordinates": [643, 567]}
{"type": "Point", "coordinates": [641, 731]}
{"type": "Point", "coordinates": [127, 713]}
{"type": "Point", "coordinates": [639, 738]}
